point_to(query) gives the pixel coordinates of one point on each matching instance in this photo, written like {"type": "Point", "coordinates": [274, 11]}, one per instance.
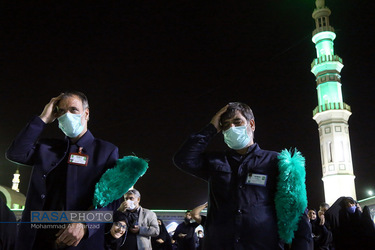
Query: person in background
{"type": "Point", "coordinates": [142, 223]}
{"type": "Point", "coordinates": [200, 239]}
{"type": "Point", "coordinates": [351, 228]}
{"type": "Point", "coordinates": [303, 236]}
{"type": "Point", "coordinates": [163, 240]}
{"type": "Point", "coordinates": [323, 207]}
{"type": "Point", "coordinates": [115, 236]}
{"type": "Point", "coordinates": [321, 235]}
{"type": "Point", "coordinates": [200, 219]}
{"type": "Point", "coordinates": [185, 235]}
{"type": "Point", "coordinates": [326, 241]}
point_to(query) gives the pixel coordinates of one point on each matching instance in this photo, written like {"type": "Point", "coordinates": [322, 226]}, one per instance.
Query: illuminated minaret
{"type": "Point", "coordinates": [331, 114]}
{"type": "Point", "coordinates": [16, 181]}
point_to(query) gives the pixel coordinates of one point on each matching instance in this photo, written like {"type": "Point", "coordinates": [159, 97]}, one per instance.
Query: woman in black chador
{"type": "Point", "coordinates": [163, 240]}
{"type": "Point", "coordinates": [351, 228]}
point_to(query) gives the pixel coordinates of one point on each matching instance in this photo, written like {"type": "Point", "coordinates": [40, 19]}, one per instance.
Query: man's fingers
{"type": "Point", "coordinates": [216, 119]}
{"type": "Point", "coordinates": [55, 99]}
{"type": "Point", "coordinates": [223, 109]}
{"type": "Point", "coordinates": [48, 115]}
{"type": "Point", "coordinates": [72, 235]}
{"type": "Point", "coordinates": [63, 236]}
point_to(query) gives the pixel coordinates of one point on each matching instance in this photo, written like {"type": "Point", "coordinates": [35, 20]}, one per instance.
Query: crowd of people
{"type": "Point", "coordinates": [344, 225]}
{"type": "Point", "coordinates": [244, 200]}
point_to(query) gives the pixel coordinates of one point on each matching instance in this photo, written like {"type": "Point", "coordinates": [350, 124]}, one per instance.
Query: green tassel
{"type": "Point", "coordinates": [290, 198]}
{"type": "Point", "coordinates": [115, 182]}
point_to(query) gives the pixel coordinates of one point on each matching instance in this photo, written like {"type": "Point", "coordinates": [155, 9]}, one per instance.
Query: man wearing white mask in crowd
{"type": "Point", "coordinates": [242, 182]}
{"type": "Point", "coordinates": [142, 222]}
{"type": "Point", "coordinates": [64, 174]}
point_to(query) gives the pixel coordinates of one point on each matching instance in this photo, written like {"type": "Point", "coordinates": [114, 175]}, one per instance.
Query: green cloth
{"type": "Point", "coordinates": [115, 182]}
{"type": "Point", "coordinates": [290, 198]}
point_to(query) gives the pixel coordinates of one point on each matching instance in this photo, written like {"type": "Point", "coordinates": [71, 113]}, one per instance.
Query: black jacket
{"type": "Point", "coordinates": [240, 215]}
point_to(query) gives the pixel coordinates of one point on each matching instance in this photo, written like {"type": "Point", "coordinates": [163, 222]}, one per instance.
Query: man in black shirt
{"type": "Point", "coordinates": [185, 233]}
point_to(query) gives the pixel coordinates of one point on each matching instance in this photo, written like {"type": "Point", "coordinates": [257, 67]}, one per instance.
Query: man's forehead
{"type": "Point", "coordinates": [237, 116]}
{"type": "Point", "coordinates": [130, 196]}
{"type": "Point", "coordinates": [72, 100]}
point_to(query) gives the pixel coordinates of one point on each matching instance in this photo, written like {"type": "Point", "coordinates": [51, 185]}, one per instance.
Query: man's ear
{"type": "Point", "coordinates": [252, 124]}
{"type": "Point", "coordinates": [87, 114]}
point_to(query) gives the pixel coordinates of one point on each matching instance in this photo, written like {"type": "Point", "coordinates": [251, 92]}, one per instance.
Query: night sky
{"type": "Point", "coordinates": [156, 72]}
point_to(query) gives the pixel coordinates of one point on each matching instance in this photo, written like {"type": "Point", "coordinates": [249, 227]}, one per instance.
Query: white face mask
{"type": "Point", "coordinates": [131, 205]}
{"type": "Point", "coordinates": [236, 137]}
{"type": "Point", "coordinates": [70, 124]}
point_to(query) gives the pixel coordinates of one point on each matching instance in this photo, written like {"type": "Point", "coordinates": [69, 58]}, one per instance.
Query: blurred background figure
{"type": "Point", "coordinates": [302, 236]}
{"type": "Point", "coordinates": [8, 231]}
{"type": "Point", "coordinates": [163, 240]}
{"type": "Point", "coordinates": [323, 207]}
{"type": "Point", "coordinates": [185, 233]}
{"type": "Point", "coordinates": [321, 235]}
{"type": "Point", "coordinates": [200, 240]}
{"type": "Point", "coordinates": [142, 222]}
{"type": "Point", "coordinates": [200, 219]}
{"type": "Point", "coordinates": [351, 228]}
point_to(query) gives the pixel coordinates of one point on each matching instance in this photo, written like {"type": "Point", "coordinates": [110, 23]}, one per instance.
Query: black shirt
{"type": "Point", "coordinates": [131, 238]}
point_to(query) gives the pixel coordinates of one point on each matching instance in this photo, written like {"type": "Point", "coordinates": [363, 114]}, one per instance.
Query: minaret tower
{"type": "Point", "coordinates": [16, 181]}
{"type": "Point", "coordinates": [331, 114]}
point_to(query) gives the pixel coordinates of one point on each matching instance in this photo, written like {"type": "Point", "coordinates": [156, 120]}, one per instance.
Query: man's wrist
{"type": "Point", "coordinates": [44, 119]}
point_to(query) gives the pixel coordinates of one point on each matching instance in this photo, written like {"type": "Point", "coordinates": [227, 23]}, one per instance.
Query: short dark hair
{"type": "Point", "coordinates": [323, 204]}
{"type": "Point", "coordinates": [82, 96]}
{"type": "Point", "coordinates": [243, 108]}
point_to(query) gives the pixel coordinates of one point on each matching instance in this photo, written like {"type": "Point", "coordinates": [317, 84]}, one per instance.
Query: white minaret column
{"type": "Point", "coordinates": [331, 114]}
{"type": "Point", "coordinates": [16, 181]}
